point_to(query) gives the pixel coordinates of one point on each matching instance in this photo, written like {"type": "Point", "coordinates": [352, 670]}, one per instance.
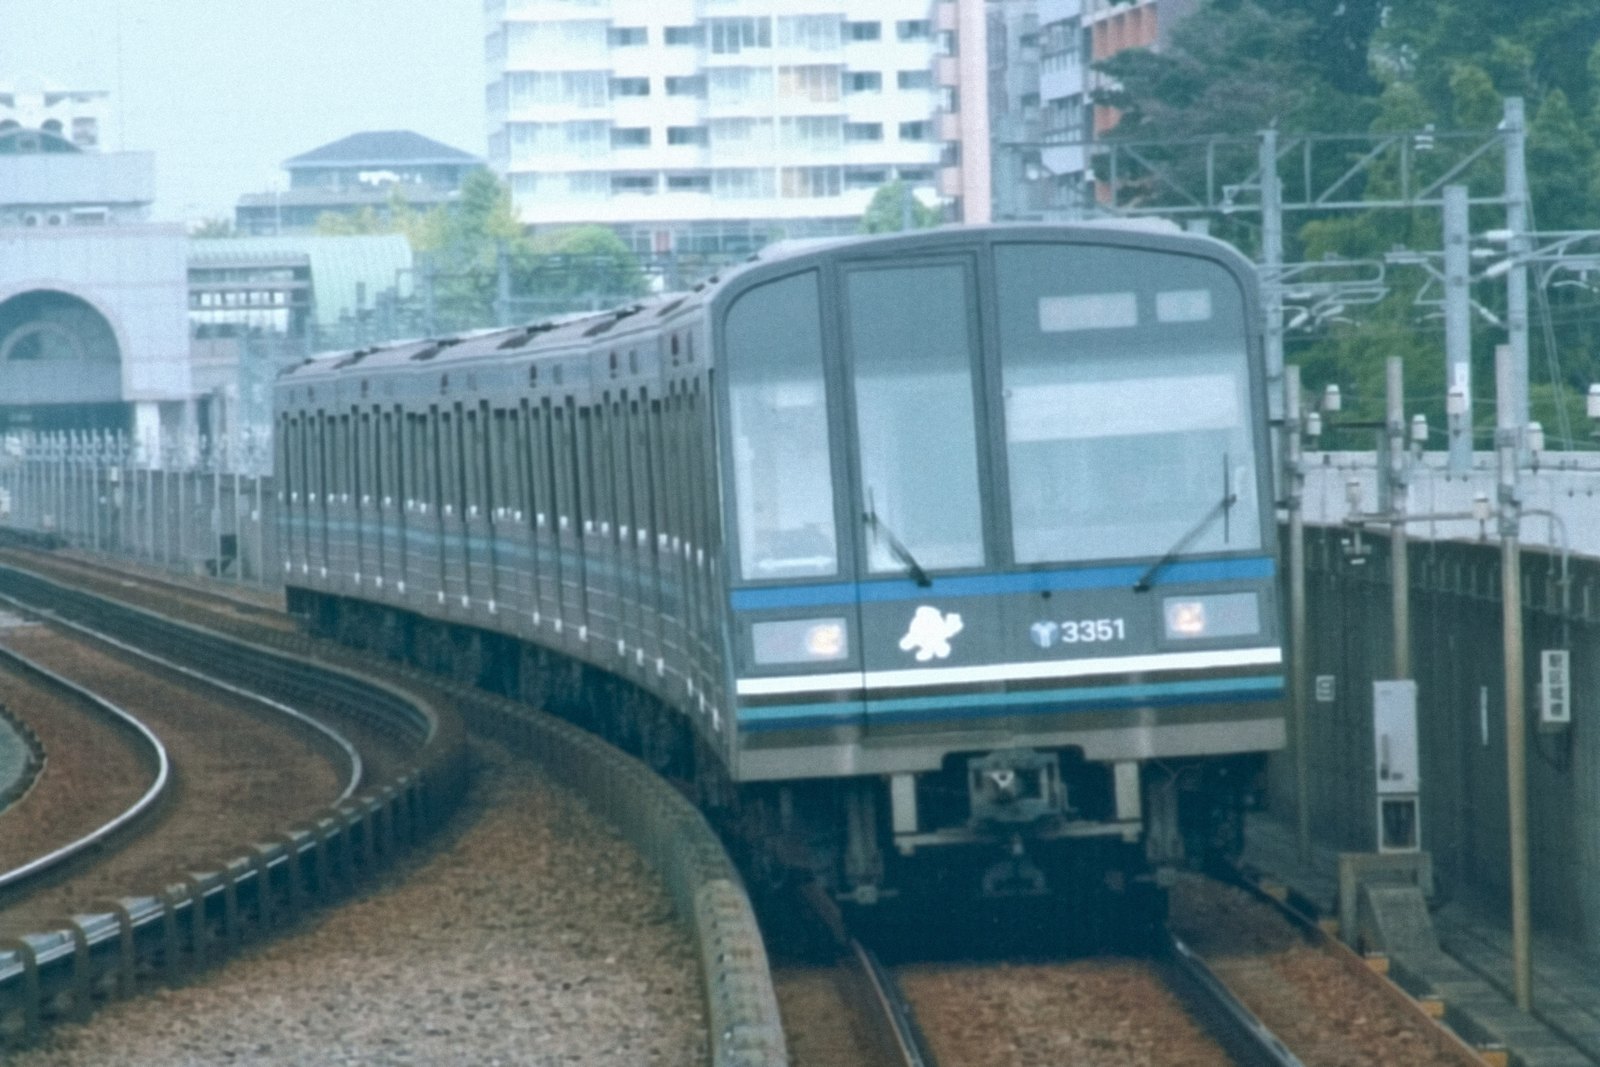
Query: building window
{"type": "Point", "coordinates": [739, 85]}
{"type": "Point", "coordinates": [863, 81]}
{"type": "Point", "coordinates": [859, 132]}
{"type": "Point", "coordinates": [810, 131]}
{"type": "Point", "coordinates": [865, 177]}
{"type": "Point", "coordinates": [814, 33]}
{"type": "Point", "coordinates": [732, 36]}
{"type": "Point", "coordinates": [915, 131]}
{"type": "Point", "coordinates": [741, 137]}
{"type": "Point", "coordinates": [915, 79]}
{"type": "Point", "coordinates": [818, 84]}
{"type": "Point", "coordinates": [863, 31]}
{"type": "Point", "coordinates": [812, 182]}
{"type": "Point", "coordinates": [638, 184]}
{"type": "Point", "coordinates": [916, 175]}
{"type": "Point", "coordinates": [689, 183]}
{"type": "Point", "coordinates": [693, 85]}
{"type": "Point", "coordinates": [744, 183]}
{"type": "Point", "coordinates": [573, 88]}
{"type": "Point", "coordinates": [685, 35]}
{"type": "Point", "coordinates": [630, 87]}
{"type": "Point", "coordinates": [627, 36]}
{"type": "Point", "coordinates": [686, 135]}
{"type": "Point", "coordinates": [913, 29]}
{"type": "Point", "coordinates": [630, 137]}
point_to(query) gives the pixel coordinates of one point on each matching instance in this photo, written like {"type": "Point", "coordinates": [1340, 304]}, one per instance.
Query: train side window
{"type": "Point", "coordinates": [779, 450]}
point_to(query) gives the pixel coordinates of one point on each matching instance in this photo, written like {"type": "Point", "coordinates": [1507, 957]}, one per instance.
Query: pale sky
{"type": "Point", "coordinates": [223, 91]}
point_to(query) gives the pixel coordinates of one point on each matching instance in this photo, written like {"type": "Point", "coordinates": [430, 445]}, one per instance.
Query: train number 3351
{"type": "Point", "coordinates": [1089, 631]}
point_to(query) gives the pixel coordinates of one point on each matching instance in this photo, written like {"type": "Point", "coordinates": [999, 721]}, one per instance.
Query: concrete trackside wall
{"type": "Point", "coordinates": [1457, 656]}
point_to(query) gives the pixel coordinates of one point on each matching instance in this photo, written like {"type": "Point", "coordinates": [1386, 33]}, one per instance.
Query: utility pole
{"type": "Point", "coordinates": [1299, 654]}
{"type": "Point", "coordinates": [1508, 447]}
{"type": "Point", "coordinates": [1399, 561]}
{"type": "Point", "coordinates": [1458, 328]}
{"type": "Point", "coordinates": [1516, 197]}
{"type": "Point", "coordinates": [1272, 256]}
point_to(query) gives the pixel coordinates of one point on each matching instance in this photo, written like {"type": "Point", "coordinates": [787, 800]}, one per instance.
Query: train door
{"type": "Point", "coordinates": [479, 548]}
{"type": "Point", "coordinates": [362, 465]}
{"type": "Point", "coordinates": [547, 567]}
{"type": "Point", "coordinates": [573, 621]}
{"type": "Point", "coordinates": [911, 342]}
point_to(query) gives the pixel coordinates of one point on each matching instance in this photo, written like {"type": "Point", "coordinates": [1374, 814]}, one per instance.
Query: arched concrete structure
{"type": "Point", "coordinates": [56, 348]}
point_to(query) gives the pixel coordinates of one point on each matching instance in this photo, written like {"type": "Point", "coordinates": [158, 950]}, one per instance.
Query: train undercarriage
{"type": "Point", "coordinates": [1012, 823]}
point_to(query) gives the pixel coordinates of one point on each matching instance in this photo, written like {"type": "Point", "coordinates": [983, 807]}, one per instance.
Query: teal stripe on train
{"type": "Point", "coordinates": [995, 705]}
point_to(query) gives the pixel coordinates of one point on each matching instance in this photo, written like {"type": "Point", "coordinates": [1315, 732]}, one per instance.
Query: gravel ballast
{"type": "Point", "coordinates": [529, 933]}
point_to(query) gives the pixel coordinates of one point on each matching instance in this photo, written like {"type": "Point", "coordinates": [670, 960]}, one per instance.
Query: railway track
{"type": "Point", "coordinates": [539, 941]}
{"type": "Point", "coordinates": [115, 866]}
{"type": "Point", "coordinates": [1232, 982]}
{"type": "Point", "coordinates": [823, 1004]}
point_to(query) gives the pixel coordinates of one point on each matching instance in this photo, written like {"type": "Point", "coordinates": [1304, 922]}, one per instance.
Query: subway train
{"type": "Point", "coordinates": [943, 558]}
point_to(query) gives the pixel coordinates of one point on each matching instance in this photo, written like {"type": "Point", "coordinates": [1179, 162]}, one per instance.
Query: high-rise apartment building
{"type": "Point", "coordinates": [711, 125]}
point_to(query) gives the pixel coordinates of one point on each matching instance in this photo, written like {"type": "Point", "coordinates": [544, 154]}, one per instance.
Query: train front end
{"type": "Point", "coordinates": [1004, 592]}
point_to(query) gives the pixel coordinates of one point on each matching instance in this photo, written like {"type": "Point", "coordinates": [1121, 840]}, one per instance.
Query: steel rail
{"type": "Point", "coordinates": [898, 1034]}
{"type": "Point", "coordinates": [1245, 1037]}
{"type": "Point", "coordinates": [348, 751]}
{"type": "Point", "coordinates": [163, 778]}
{"type": "Point", "coordinates": [907, 1041]}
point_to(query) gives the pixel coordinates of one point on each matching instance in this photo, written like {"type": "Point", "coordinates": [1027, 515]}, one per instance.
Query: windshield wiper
{"type": "Point", "coordinates": [1219, 509]}
{"type": "Point", "coordinates": [898, 550]}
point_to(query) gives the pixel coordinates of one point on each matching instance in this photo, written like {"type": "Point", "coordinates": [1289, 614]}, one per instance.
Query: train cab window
{"type": "Point", "coordinates": [1127, 400]}
{"type": "Point", "coordinates": [911, 348]}
{"type": "Point", "coordinates": [782, 465]}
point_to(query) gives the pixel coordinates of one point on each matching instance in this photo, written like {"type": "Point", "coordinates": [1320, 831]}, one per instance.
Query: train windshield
{"type": "Point", "coordinates": [783, 476]}
{"type": "Point", "coordinates": [911, 352]}
{"type": "Point", "coordinates": [1127, 401]}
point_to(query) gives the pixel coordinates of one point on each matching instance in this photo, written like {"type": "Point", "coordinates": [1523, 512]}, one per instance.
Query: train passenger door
{"type": "Point", "coordinates": [910, 347]}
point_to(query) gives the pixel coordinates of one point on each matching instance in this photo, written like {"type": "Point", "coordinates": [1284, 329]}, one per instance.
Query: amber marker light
{"type": "Point", "coordinates": [825, 640]}
{"type": "Point", "coordinates": [1186, 618]}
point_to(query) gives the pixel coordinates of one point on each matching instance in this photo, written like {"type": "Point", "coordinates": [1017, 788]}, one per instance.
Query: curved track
{"type": "Point", "coordinates": [270, 811]}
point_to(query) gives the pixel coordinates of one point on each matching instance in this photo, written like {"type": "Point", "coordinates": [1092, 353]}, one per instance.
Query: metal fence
{"type": "Point", "coordinates": [191, 506]}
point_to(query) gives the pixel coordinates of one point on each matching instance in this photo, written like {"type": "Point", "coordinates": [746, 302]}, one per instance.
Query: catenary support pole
{"type": "Point", "coordinates": [1399, 560]}
{"type": "Point", "coordinates": [1299, 654]}
{"type": "Point", "coordinates": [1508, 445]}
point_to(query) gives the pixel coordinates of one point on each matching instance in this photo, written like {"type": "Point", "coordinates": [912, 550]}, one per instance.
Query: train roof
{"type": "Point", "coordinates": [573, 333]}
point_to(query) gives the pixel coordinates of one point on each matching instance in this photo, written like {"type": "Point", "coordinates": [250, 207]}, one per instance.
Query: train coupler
{"type": "Point", "coordinates": [1015, 786]}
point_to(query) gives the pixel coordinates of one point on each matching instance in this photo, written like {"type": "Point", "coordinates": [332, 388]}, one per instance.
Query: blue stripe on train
{"type": "Point", "coordinates": [994, 705]}
{"type": "Point", "coordinates": [836, 594]}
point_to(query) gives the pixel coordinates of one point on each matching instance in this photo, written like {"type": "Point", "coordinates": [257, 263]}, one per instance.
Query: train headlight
{"type": "Point", "coordinates": [1218, 615]}
{"type": "Point", "coordinates": [799, 641]}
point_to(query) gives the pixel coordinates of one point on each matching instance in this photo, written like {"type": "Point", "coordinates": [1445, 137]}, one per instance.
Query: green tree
{"type": "Point", "coordinates": [893, 205]}
{"type": "Point", "coordinates": [579, 267]}
{"type": "Point", "coordinates": [462, 244]}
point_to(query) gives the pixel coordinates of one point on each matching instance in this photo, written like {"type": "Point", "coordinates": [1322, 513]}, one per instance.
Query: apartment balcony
{"type": "Point", "coordinates": [947, 126]}
{"type": "Point", "coordinates": [947, 16]}
{"type": "Point", "coordinates": [947, 70]}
